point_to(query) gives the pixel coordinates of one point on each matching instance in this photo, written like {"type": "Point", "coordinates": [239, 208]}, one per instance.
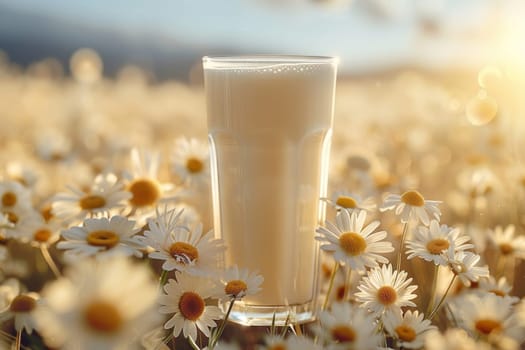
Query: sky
{"type": "Point", "coordinates": [365, 34]}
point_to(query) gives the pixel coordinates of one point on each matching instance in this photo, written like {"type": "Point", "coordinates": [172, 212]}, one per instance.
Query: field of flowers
{"type": "Point", "coordinates": [106, 230]}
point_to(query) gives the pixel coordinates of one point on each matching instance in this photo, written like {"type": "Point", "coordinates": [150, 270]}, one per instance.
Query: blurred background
{"type": "Point", "coordinates": [168, 38]}
{"type": "Point", "coordinates": [430, 96]}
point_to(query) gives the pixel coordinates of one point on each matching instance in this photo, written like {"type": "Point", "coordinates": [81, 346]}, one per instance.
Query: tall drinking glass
{"type": "Point", "coordinates": [269, 125]}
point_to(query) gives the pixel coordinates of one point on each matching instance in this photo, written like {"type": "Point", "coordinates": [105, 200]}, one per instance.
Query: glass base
{"type": "Point", "coordinates": [280, 315]}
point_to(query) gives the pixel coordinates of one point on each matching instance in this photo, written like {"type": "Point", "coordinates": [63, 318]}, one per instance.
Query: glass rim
{"type": "Point", "coordinates": [251, 61]}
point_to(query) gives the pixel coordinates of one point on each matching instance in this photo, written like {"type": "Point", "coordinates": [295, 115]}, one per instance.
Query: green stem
{"type": "Point", "coordinates": [165, 341]}
{"type": "Point", "coordinates": [330, 285]}
{"type": "Point", "coordinates": [381, 330]}
{"type": "Point", "coordinates": [401, 244]}
{"type": "Point", "coordinates": [285, 326]}
{"type": "Point", "coordinates": [500, 268]}
{"type": "Point", "coordinates": [452, 316]}
{"type": "Point", "coordinates": [273, 326]}
{"type": "Point", "coordinates": [433, 313]}
{"type": "Point", "coordinates": [217, 336]}
{"type": "Point", "coordinates": [193, 345]}
{"type": "Point", "coordinates": [49, 260]}
{"type": "Point", "coordinates": [433, 290]}
{"type": "Point", "coordinates": [163, 278]}
{"type": "Point", "coordinates": [18, 341]}
{"type": "Point", "coordinates": [347, 283]}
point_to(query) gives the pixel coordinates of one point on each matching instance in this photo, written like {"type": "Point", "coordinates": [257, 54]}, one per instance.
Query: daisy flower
{"type": "Point", "coordinates": [41, 234]}
{"type": "Point", "coordinates": [189, 217]}
{"type": "Point", "coordinates": [483, 315]}
{"type": "Point", "coordinates": [430, 242]}
{"type": "Point", "coordinates": [351, 202]}
{"type": "Point", "coordinates": [15, 208]}
{"type": "Point", "coordinates": [38, 232]}
{"type": "Point", "coordinates": [18, 217]}
{"type": "Point", "coordinates": [53, 145]}
{"type": "Point", "coordinates": [464, 265]}
{"type": "Point", "coordinates": [22, 172]}
{"type": "Point", "coordinates": [408, 329]}
{"type": "Point", "coordinates": [452, 339]}
{"type": "Point", "coordinates": [384, 290]}
{"type": "Point", "coordinates": [237, 283]}
{"type": "Point", "coordinates": [143, 183]}
{"type": "Point", "coordinates": [13, 195]}
{"type": "Point", "coordinates": [105, 195]}
{"type": "Point", "coordinates": [412, 206]}
{"type": "Point", "coordinates": [352, 243]}
{"type": "Point", "coordinates": [22, 309]}
{"type": "Point", "coordinates": [479, 183]}
{"type": "Point", "coordinates": [180, 248]}
{"type": "Point", "coordinates": [102, 238]}
{"type": "Point", "coordinates": [190, 161]}
{"type": "Point", "coordinates": [161, 226]}
{"type": "Point", "coordinates": [346, 326]}
{"type": "Point", "coordinates": [9, 289]}
{"type": "Point", "coordinates": [186, 300]}
{"type": "Point", "coordinates": [100, 305]}
{"type": "Point", "coordinates": [508, 245]}
{"type": "Point", "coordinates": [500, 287]}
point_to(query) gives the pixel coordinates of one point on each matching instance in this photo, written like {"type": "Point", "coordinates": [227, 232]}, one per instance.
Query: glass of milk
{"type": "Point", "coordinates": [269, 126]}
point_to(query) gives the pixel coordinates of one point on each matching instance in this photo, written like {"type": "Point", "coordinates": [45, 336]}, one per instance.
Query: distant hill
{"type": "Point", "coordinates": [29, 37]}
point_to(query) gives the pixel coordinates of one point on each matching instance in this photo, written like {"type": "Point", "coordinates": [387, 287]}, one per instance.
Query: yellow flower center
{"type": "Point", "coordinates": [191, 306]}
{"type": "Point", "coordinates": [506, 248]}
{"type": "Point", "coordinates": [47, 213]}
{"type": "Point", "coordinates": [184, 252]}
{"type": "Point", "coordinates": [413, 198]}
{"type": "Point", "coordinates": [383, 181]}
{"type": "Point", "coordinates": [12, 217]}
{"type": "Point", "coordinates": [340, 292]}
{"type": "Point", "coordinates": [405, 333]}
{"type": "Point", "coordinates": [235, 288]}
{"type": "Point", "coordinates": [326, 270]}
{"type": "Point", "coordinates": [92, 201]}
{"type": "Point", "coordinates": [386, 295]}
{"type": "Point", "coordinates": [498, 292]}
{"type": "Point", "coordinates": [144, 192]}
{"type": "Point", "coordinates": [194, 165]}
{"type": "Point", "coordinates": [103, 238]}
{"type": "Point", "coordinates": [22, 303]}
{"type": "Point", "coordinates": [487, 326]}
{"type": "Point", "coordinates": [352, 243]}
{"type": "Point", "coordinates": [436, 246]}
{"type": "Point", "coordinates": [42, 235]}
{"type": "Point", "coordinates": [346, 202]}
{"type": "Point", "coordinates": [343, 334]}
{"type": "Point", "coordinates": [277, 347]}
{"type": "Point", "coordinates": [103, 317]}
{"type": "Point", "coordinates": [9, 199]}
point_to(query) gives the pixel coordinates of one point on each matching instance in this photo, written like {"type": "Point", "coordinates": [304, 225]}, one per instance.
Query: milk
{"type": "Point", "coordinates": [270, 126]}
